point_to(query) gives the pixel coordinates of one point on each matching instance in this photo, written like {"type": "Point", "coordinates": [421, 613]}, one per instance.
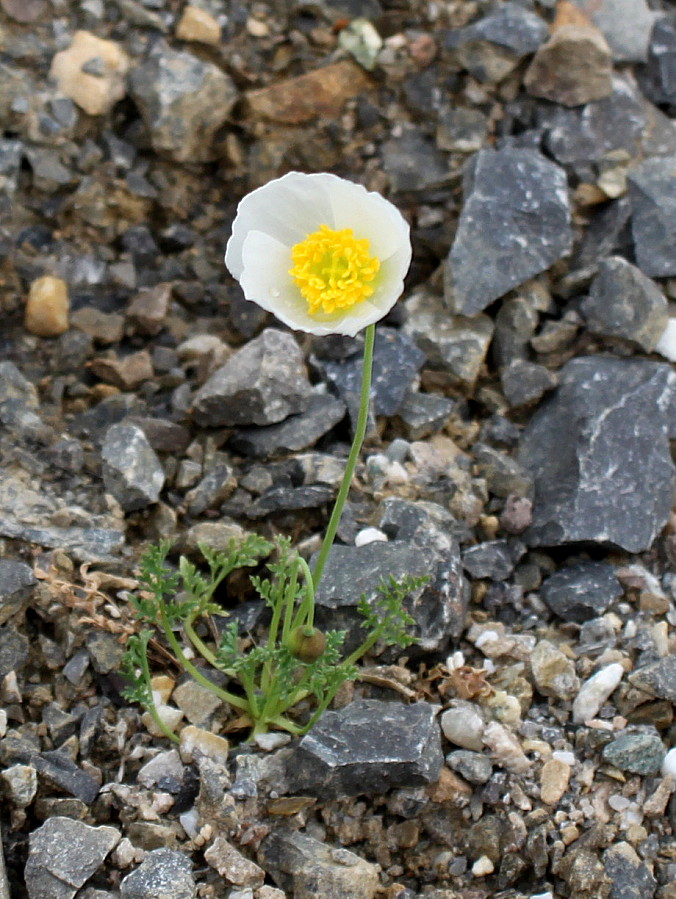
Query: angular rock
{"type": "Point", "coordinates": [638, 752]}
{"type": "Point", "coordinates": [595, 691]}
{"type": "Point", "coordinates": [658, 79]}
{"type": "Point", "coordinates": [163, 872]}
{"type": "Point", "coordinates": [572, 68]}
{"type": "Point", "coordinates": [493, 559]}
{"type": "Point", "coordinates": [413, 162]}
{"type": "Point", "coordinates": [307, 868]}
{"type": "Point", "coordinates": [603, 435]}
{"type": "Point", "coordinates": [127, 372]}
{"type": "Point", "coordinates": [515, 223]}
{"type": "Point", "coordinates": [92, 72]}
{"type": "Point", "coordinates": [583, 591]}
{"type": "Point", "coordinates": [525, 382]}
{"type": "Point", "coordinates": [261, 384]}
{"type": "Point", "coordinates": [472, 766]}
{"type": "Point", "coordinates": [455, 346]}
{"type": "Point", "coordinates": [437, 607]}
{"type": "Point", "coordinates": [626, 24]}
{"type": "Point", "coordinates": [368, 747]}
{"type": "Point", "coordinates": [423, 414]}
{"type": "Point", "coordinates": [57, 769]}
{"type": "Point", "coordinates": [198, 25]}
{"type": "Point", "coordinates": [183, 102]}
{"type": "Point", "coordinates": [503, 475]}
{"type": "Point", "coordinates": [132, 473]}
{"type": "Point", "coordinates": [46, 312]}
{"type": "Point", "coordinates": [493, 46]}
{"type": "Point", "coordinates": [298, 432]}
{"type": "Point", "coordinates": [622, 302]}
{"type": "Point", "coordinates": [463, 724]}
{"type": "Point", "coordinates": [63, 855]}
{"type": "Point", "coordinates": [630, 877]}
{"type": "Point", "coordinates": [652, 191]}
{"type": "Point", "coordinates": [13, 650]}
{"type": "Point", "coordinates": [658, 678]}
{"type": "Point", "coordinates": [16, 585]}
{"type": "Point", "coordinates": [553, 671]}
{"type": "Point", "coordinates": [232, 866]}
{"type": "Point", "coordinates": [288, 498]}
{"type": "Point", "coordinates": [461, 130]}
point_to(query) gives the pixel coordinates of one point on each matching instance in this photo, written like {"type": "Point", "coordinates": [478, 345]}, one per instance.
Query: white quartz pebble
{"type": "Point", "coordinates": [669, 764]}
{"type": "Point", "coordinates": [594, 692]}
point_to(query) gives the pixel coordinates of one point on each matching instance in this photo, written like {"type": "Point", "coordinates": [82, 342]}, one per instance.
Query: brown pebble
{"type": "Point", "coordinates": [197, 25]}
{"type": "Point", "coordinates": [554, 779]}
{"type": "Point", "coordinates": [24, 11]}
{"type": "Point", "coordinates": [47, 307]}
{"type": "Point", "coordinates": [126, 373]}
{"type": "Point", "coordinates": [95, 92]}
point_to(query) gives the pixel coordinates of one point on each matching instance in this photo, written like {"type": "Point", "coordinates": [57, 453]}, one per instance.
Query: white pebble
{"type": "Point", "coordinates": [370, 535]}
{"type": "Point", "coordinates": [669, 763]}
{"type": "Point", "coordinates": [190, 822]}
{"type": "Point", "coordinates": [561, 755]}
{"type": "Point", "coordinates": [483, 866]}
{"type": "Point", "coordinates": [594, 692]}
{"type": "Point", "coordinates": [463, 725]}
{"type": "Point", "coordinates": [666, 345]}
{"type": "Point", "coordinates": [269, 742]}
{"type": "Point", "coordinates": [618, 803]}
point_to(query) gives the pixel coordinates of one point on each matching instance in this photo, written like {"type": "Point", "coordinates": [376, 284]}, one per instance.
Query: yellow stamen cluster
{"type": "Point", "coordinates": [333, 270]}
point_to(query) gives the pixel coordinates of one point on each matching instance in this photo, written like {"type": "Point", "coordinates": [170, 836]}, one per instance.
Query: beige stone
{"type": "Point", "coordinates": [573, 67]}
{"type": "Point", "coordinates": [553, 781]}
{"type": "Point", "coordinates": [196, 742]}
{"type": "Point", "coordinates": [47, 307]}
{"type": "Point", "coordinates": [97, 90]}
{"type": "Point", "coordinates": [197, 25]}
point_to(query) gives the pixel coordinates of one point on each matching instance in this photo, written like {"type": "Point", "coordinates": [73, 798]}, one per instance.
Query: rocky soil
{"type": "Point", "coordinates": [518, 452]}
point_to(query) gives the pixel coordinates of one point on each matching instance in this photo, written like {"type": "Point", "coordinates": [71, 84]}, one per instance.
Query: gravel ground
{"type": "Point", "coordinates": [518, 451]}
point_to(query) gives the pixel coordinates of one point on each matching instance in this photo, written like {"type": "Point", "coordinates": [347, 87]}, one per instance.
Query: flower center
{"type": "Point", "coordinates": [333, 269]}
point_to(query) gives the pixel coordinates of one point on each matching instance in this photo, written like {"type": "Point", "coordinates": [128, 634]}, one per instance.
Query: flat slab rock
{"type": "Point", "coordinates": [598, 451]}
{"type": "Point", "coordinates": [515, 223]}
{"type": "Point", "coordinates": [368, 747]}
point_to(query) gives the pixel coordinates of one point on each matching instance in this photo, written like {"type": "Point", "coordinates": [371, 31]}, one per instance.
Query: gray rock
{"type": "Point", "coordinates": [413, 163]}
{"type": "Point", "coordinates": [163, 873]}
{"type": "Point", "coordinates": [16, 585]}
{"type": "Point", "coordinates": [4, 882]}
{"type": "Point", "coordinates": [10, 165]}
{"type": "Point", "coordinates": [14, 387]}
{"type": "Point", "coordinates": [473, 766]}
{"type": "Point", "coordinates": [82, 544]}
{"type": "Point", "coordinates": [63, 855]}
{"type": "Point", "coordinates": [652, 190]}
{"type": "Point", "coordinates": [13, 650]}
{"type": "Point", "coordinates": [573, 67]}
{"type": "Point", "coordinates": [396, 363]}
{"type": "Point", "coordinates": [59, 770]}
{"type": "Point", "coordinates": [286, 498]}
{"type": "Point", "coordinates": [626, 25]}
{"type": "Point", "coordinates": [658, 81]}
{"type": "Point", "coordinates": [461, 130]}
{"type": "Point", "coordinates": [298, 432]}
{"type": "Point", "coordinates": [583, 591]}
{"type": "Point", "coordinates": [214, 488]}
{"type": "Point", "coordinates": [183, 102]}
{"type": "Point", "coordinates": [638, 752]}
{"type": "Point", "coordinates": [515, 324]}
{"type": "Point", "coordinates": [658, 678]}
{"type": "Point", "coordinates": [132, 473]}
{"type": "Point", "coordinates": [515, 223]}
{"type": "Point", "coordinates": [423, 414]}
{"type": "Point", "coordinates": [493, 46]}
{"type": "Point", "coordinates": [261, 384]}
{"type": "Point", "coordinates": [453, 345]}
{"type": "Point", "coordinates": [526, 382]}
{"type": "Point", "coordinates": [307, 868]}
{"type": "Point", "coordinates": [622, 302]}
{"type": "Point", "coordinates": [503, 475]}
{"type": "Point", "coordinates": [438, 607]}
{"type": "Point", "coordinates": [603, 435]}
{"type": "Point", "coordinates": [493, 559]}
{"type": "Point", "coordinates": [630, 877]}
{"type": "Point", "coordinates": [368, 747]}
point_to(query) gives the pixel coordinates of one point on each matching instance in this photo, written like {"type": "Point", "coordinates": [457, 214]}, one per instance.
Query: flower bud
{"type": "Point", "coordinates": [307, 643]}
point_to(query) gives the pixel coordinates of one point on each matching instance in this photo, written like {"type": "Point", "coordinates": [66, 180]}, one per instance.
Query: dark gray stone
{"type": "Point", "coordinates": [493, 46]}
{"type": "Point", "coordinates": [658, 80]}
{"type": "Point", "coordinates": [163, 872]}
{"type": "Point", "coordinates": [461, 130]}
{"type": "Point", "coordinates": [638, 752]}
{"type": "Point", "coordinates": [16, 585]}
{"type": "Point", "coordinates": [581, 591]}
{"type": "Point", "coordinates": [652, 190]}
{"type": "Point", "coordinates": [60, 771]}
{"type": "Point", "coordinates": [515, 223]}
{"type": "Point", "coordinates": [214, 488]}
{"type": "Point", "coordinates": [14, 387]}
{"type": "Point", "coordinates": [602, 436]}
{"type": "Point", "coordinates": [622, 302]}
{"type": "Point", "coordinates": [606, 232]}
{"type": "Point", "coordinates": [13, 650]}
{"type": "Point", "coordinates": [132, 473]}
{"type": "Point", "coordinates": [296, 433]}
{"type": "Point", "coordinates": [183, 102]}
{"type": "Point", "coordinates": [368, 747]}
{"type": "Point", "coordinates": [504, 476]}
{"type": "Point", "coordinates": [261, 384]}
{"type": "Point", "coordinates": [82, 544]}
{"type": "Point", "coordinates": [287, 498]}
{"type": "Point", "coordinates": [63, 855]}
{"type": "Point", "coordinates": [413, 163]}
{"type": "Point", "coordinates": [515, 324]}
{"type": "Point", "coordinates": [474, 767]}
{"type": "Point", "coordinates": [630, 878]}
{"type": "Point", "coordinates": [423, 414]}
{"type": "Point", "coordinates": [658, 679]}
{"type": "Point", "coordinates": [493, 559]}
{"type": "Point", "coordinates": [526, 382]}
{"type": "Point", "coordinates": [438, 607]}
{"type": "Point", "coordinates": [625, 24]}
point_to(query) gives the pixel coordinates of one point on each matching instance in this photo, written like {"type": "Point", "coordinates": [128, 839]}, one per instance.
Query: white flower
{"type": "Point", "coordinates": [321, 253]}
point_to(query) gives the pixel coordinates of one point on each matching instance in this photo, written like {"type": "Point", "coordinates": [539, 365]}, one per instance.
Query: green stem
{"type": "Point", "coordinates": [197, 642]}
{"type": "Point", "coordinates": [359, 434]}
{"type": "Point", "coordinates": [306, 611]}
{"type": "Point", "coordinates": [151, 708]}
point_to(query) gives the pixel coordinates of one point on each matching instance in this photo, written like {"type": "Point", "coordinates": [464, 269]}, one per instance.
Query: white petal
{"type": "Point", "coordinates": [288, 209]}
{"type": "Point", "coordinates": [666, 345]}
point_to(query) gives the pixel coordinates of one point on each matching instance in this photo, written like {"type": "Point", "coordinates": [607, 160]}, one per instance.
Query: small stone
{"type": "Point", "coordinates": [20, 784]}
{"type": "Point", "coordinates": [516, 515]}
{"type": "Point", "coordinates": [461, 130]}
{"type": "Point", "coordinates": [164, 771]}
{"type": "Point", "coordinates": [362, 41]}
{"type": "Point", "coordinates": [525, 382]}
{"type": "Point", "coordinates": [132, 473]}
{"type": "Point", "coordinates": [127, 373]}
{"type": "Point", "coordinates": [666, 343]}
{"type": "Point", "coordinates": [321, 93]}
{"type": "Point", "coordinates": [198, 25]}
{"type": "Point", "coordinates": [24, 11]}
{"type": "Point", "coordinates": [626, 25]}
{"type": "Point", "coordinates": [95, 93]}
{"type": "Point", "coordinates": [595, 691]}
{"type": "Point", "coordinates": [622, 302]}
{"type": "Point", "coordinates": [16, 585]}
{"type": "Point", "coordinates": [638, 752]}
{"type": "Point", "coordinates": [472, 766]}
{"type": "Point", "coordinates": [103, 327]}
{"type": "Point", "coordinates": [63, 855]}
{"type": "Point", "coordinates": [581, 591]}
{"type": "Point", "coordinates": [657, 678]}
{"type": "Point", "coordinates": [262, 383]}
{"type": "Point", "coordinates": [554, 672]}
{"type": "Point", "coordinates": [515, 223]}
{"type": "Point", "coordinates": [197, 703]}
{"type": "Point", "coordinates": [554, 779]}
{"type": "Point", "coordinates": [423, 414]}
{"type": "Point", "coordinates": [369, 746]}
{"type": "Point", "coordinates": [463, 725]}
{"type": "Point", "coordinates": [232, 866]}
{"type": "Point", "coordinates": [503, 475]}
{"type": "Point", "coordinates": [669, 764]}
{"type": "Point", "coordinates": [493, 559]}
{"type": "Point", "coordinates": [630, 877]}
{"type": "Point", "coordinates": [164, 873]}
{"type": "Point", "coordinates": [47, 307]}
{"type": "Point", "coordinates": [148, 309]}
{"type": "Point", "coordinates": [483, 866]}
{"type": "Point", "coordinates": [413, 162]}
{"type": "Point", "coordinates": [652, 191]}
{"type": "Point", "coordinates": [506, 749]}
{"type": "Point", "coordinates": [170, 716]}
{"type": "Point", "coordinates": [573, 67]}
